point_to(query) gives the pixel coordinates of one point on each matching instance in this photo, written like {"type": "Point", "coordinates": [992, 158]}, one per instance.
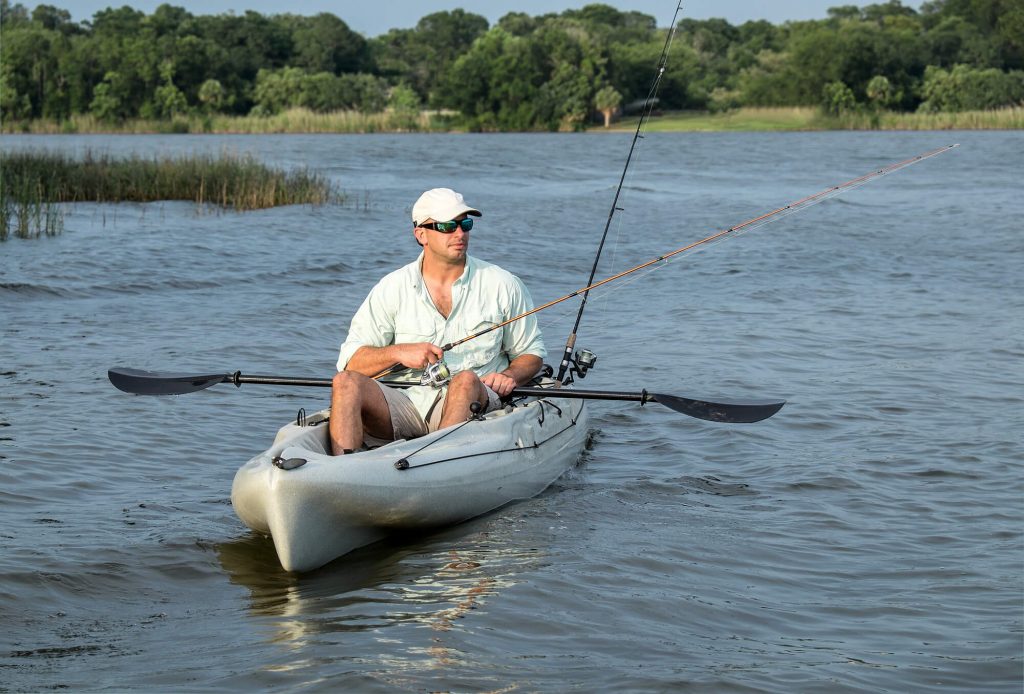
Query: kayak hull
{"type": "Point", "coordinates": [331, 505]}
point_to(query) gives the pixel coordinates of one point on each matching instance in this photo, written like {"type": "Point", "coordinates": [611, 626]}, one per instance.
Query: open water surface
{"type": "Point", "coordinates": [867, 538]}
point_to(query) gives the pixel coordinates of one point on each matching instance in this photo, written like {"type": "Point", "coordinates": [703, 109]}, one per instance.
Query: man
{"type": "Point", "coordinates": [441, 297]}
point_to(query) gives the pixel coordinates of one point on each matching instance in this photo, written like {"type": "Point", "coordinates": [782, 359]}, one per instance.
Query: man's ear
{"type": "Point", "coordinates": [417, 232]}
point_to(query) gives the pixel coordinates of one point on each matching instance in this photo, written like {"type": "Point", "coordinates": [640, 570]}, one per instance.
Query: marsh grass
{"type": "Point", "coordinates": [1010, 118]}
{"type": "Point", "coordinates": [296, 120]}
{"type": "Point", "coordinates": [300, 120]}
{"type": "Point", "coordinates": [34, 180]}
{"type": "Point", "coordinates": [807, 118]}
{"type": "Point", "coordinates": [25, 214]}
{"type": "Point", "coordinates": [742, 119]}
{"type": "Point", "coordinates": [34, 183]}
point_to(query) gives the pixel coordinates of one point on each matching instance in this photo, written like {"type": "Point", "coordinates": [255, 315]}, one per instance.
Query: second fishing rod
{"type": "Point", "coordinates": [651, 99]}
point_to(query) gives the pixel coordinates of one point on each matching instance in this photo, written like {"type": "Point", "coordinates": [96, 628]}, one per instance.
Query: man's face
{"type": "Point", "coordinates": [449, 247]}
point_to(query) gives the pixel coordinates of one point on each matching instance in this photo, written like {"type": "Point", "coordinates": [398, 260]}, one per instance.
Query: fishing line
{"type": "Point", "coordinates": [740, 232]}
{"type": "Point", "coordinates": [605, 292]}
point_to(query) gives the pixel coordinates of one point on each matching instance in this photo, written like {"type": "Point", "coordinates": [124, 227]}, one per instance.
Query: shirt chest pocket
{"type": "Point", "coordinates": [482, 350]}
{"type": "Point", "coordinates": [412, 325]}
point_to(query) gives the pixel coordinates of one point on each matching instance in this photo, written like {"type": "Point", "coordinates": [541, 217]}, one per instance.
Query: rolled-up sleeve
{"type": "Point", "coordinates": [373, 325]}
{"type": "Point", "coordinates": [522, 336]}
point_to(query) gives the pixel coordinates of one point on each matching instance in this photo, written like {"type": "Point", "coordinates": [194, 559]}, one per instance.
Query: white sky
{"type": "Point", "coordinates": [375, 18]}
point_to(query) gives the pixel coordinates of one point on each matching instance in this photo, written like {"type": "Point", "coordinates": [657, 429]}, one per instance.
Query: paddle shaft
{"type": "Point", "coordinates": [641, 397]}
{"type": "Point", "coordinates": [154, 383]}
{"type": "Point", "coordinates": [238, 379]}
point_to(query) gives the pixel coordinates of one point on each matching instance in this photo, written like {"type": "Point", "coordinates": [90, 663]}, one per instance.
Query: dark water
{"type": "Point", "coordinates": [867, 538]}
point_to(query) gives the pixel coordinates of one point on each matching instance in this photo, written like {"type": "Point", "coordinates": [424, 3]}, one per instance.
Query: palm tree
{"type": "Point", "coordinates": [607, 100]}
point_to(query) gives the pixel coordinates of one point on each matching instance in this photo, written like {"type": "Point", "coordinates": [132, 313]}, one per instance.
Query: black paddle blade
{"type": "Point", "coordinates": [155, 383]}
{"type": "Point", "coordinates": [742, 412]}
{"type": "Point", "coordinates": [733, 412]}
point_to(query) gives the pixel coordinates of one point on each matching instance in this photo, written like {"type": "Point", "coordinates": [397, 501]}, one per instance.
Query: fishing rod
{"type": "Point", "coordinates": [570, 342]}
{"type": "Point", "coordinates": [760, 220]}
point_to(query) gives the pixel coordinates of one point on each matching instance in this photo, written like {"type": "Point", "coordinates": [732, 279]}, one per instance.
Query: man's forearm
{"type": "Point", "coordinates": [523, 368]}
{"type": "Point", "coordinates": [370, 361]}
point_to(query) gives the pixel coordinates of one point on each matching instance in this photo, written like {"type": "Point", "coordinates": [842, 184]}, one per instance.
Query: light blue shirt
{"type": "Point", "coordinates": [399, 310]}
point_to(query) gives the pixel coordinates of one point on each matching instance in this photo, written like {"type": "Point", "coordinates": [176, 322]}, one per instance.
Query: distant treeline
{"type": "Point", "coordinates": [553, 71]}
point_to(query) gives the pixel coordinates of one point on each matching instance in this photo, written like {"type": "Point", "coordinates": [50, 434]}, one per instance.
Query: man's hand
{"type": "Point", "coordinates": [371, 361]}
{"type": "Point", "coordinates": [417, 355]}
{"type": "Point", "coordinates": [521, 370]}
{"type": "Point", "coordinates": [499, 383]}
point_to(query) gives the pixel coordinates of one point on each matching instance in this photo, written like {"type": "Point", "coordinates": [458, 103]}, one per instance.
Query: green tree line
{"type": "Point", "coordinates": [554, 71]}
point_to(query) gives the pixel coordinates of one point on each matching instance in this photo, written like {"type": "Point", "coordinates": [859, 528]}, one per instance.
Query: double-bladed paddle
{"type": "Point", "coordinates": [160, 383]}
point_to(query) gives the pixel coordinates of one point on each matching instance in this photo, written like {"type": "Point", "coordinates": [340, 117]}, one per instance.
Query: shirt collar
{"type": "Point", "coordinates": [415, 269]}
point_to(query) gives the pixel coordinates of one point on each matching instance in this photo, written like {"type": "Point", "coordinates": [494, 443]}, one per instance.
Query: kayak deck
{"type": "Point", "coordinates": [329, 505]}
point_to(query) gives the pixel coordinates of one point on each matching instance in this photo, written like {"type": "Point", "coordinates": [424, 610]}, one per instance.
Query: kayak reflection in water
{"type": "Point", "coordinates": [441, 297]}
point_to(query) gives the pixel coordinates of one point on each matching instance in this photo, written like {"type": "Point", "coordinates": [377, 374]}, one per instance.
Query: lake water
{"type": "Point", "coordinates": [867, 538]}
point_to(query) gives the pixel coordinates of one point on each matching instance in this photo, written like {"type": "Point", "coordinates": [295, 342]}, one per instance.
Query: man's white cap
{"type": "Point", "coordinates": [441, 205]}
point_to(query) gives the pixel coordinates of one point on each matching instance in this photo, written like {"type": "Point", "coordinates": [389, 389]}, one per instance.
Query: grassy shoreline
{"type": "Point", "coordinates": [748, 119]}
{"type": "Point", "coordinates": [800, 119]}
{"type": "Point", "coordinates": [296, 121]}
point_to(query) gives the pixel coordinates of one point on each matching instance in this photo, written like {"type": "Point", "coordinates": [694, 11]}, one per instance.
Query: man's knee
{"type": "Point", "coordinates": [465, 378]}
{"type": "Point", "coordinates": [466, 382]}
{"type": "Point", "coordinates": [347, 384]}
{"type": "Point", "coordinates": [468, 385]}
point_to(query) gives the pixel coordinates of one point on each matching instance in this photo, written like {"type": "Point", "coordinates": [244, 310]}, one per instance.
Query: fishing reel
{"type": "Point", "coordinates": [582, 362]}
{"type": "Point", "coordinates": [436, 375]}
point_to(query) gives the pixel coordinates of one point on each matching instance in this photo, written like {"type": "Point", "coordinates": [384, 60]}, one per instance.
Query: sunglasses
{"type": "Point", "coordinates": [449, 227]}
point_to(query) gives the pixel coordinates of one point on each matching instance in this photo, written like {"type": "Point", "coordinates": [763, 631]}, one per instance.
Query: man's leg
{"type": "Point", "coordinates": [357, 407]}
{"type": "Point", "coordinates": [464, 389]}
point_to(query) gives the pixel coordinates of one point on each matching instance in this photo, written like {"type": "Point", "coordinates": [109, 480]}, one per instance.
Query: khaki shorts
{"type": "Point", "coordinates": [407, 421]}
